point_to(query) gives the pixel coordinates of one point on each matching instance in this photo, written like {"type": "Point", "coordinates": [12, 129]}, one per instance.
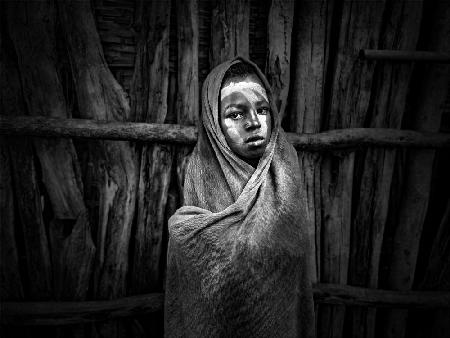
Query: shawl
{"type": "Point", "coordinates": [238, 248]}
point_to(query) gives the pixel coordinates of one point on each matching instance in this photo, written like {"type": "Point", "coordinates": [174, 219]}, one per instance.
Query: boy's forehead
{"type": "Point", "coordinates": [249, 85]}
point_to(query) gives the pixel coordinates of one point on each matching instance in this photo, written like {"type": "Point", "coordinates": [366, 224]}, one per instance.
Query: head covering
{"type": "Point", "coordinates": [237, 256]}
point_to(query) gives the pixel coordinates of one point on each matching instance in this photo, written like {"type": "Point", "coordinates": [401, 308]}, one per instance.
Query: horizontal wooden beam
{"type": "Point", "coordinates": [132, 131]}
{"type": "Point", "coordinates": [404, 55]}
{"type": "Point", "coordinates": [64, 313]}
{"type": "Point", "coordinates": [174, 133]}
{"type": "Point", "coordinates": [352, 295]}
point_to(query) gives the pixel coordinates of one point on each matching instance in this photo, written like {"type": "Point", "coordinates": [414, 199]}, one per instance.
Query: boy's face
{"type": "Point", "coordinates": [245, 116]}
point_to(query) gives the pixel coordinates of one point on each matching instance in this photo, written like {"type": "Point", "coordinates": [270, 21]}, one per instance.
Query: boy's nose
{"type": "Point", "coordinates": [253, 120]}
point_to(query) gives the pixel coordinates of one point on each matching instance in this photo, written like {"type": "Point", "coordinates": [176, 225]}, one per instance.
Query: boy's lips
{"type": "Point", "coordinates": [255, 140]}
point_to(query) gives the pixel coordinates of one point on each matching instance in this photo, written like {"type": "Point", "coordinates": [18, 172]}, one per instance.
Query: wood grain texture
{"type": "Point", "coordinates": [31, 26]}
{"type": "Point", "coordinates": [429, 103]}
{"type": "Point", "coordinates": [389, 94]}
{"type": "Point", "coordinates": [404, 55]}
{"type": "Point", "coordinates": [311, 35]}
{"type": "Point", "coordinates": [112, 177]}
{"type": "Point", "coordinates": [27, 196]}
{"type": "Point", "coordinates": [188, 98]}
{"type": "Point", "coordinates": [437, 274]}
{"type": "Point", "coordinates": [229, 30]}
{"type": "Point", "coordinates": [359, 28]}
{"type": "Point", "coordinates": [152, 77]}
{"type": "Point", "coordinates": [11, 287]}
{"type": "Point", "coordinates": [278, 63]}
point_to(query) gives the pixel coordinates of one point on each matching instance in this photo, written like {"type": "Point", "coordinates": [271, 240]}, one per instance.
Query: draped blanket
{"type": "Point", "coordinates": [237, 256]}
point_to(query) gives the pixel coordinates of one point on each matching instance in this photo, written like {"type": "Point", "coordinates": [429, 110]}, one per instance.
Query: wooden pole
{"type": "Point", "coordinates": [174, 133]}
{"type": "Point", "coordinates": [63, 313]}
{"type": "Point", "coordinates": [404, 55]}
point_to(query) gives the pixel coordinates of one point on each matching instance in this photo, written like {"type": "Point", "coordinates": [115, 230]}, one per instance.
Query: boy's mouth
{"type": "Point", "coordinates": [255, 140]}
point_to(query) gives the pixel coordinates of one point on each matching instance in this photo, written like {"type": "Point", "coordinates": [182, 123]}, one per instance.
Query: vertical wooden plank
{"type": "Point", "coordinates": [26, 187]}
{"type": "Point", "coordinates": [152, 76]}
{"type": "Point", "coordinates": [11, 284]}
{"type": "Point", "coordinates": [279, 30]}
{"type": "Point", "coordinates": [112, 164]}
{"type": "Point", "coordinates": [428, 102]}
{"type": "Point", "coordinates": [229, 30]}
{"type": "Point", "coordinates": [188, 88]}
{"type": "Point", "coordinates": [438, 272]}
{"type": "Point", "coordinates": [392, 82]}
{"type": "Point", "coordinates": [349, 105]}
{"type": "Point", "coordinates": [310, 57]}
{"type": "Point", "coordinates": [31, 27]}
{"type": "Point", "coordinates": [11, 287]}
{"type": "Point", "coordinates": [306, 109]}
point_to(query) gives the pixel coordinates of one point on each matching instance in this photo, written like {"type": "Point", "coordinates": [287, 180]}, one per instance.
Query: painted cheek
{"type": "Point", "coordinates": [232, 130]}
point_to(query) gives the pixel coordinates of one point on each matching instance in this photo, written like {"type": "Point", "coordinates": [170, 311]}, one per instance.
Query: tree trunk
{"type": "Point", "coordinates": [113, 170]}
{"type": "Point", "coordinates": [229, 30]}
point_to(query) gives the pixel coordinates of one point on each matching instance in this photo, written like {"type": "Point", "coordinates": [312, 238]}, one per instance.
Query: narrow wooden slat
{"type": "Point", "coordinates": [63, 313]}
{"type": "Point", "coordinates": [187, 105]}
{"type": "Point", "coordinates": [279, 29]}
{"type": "Point", "coordinates": [154, 132]}
{"type": "Point", "coordinates": [404, 55]}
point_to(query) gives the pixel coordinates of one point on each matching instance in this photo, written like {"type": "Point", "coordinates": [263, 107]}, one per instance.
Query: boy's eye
{"type": "Point", "coordinates": [235, 115]}
{"type": "Point", "coordinates": [263, 111]}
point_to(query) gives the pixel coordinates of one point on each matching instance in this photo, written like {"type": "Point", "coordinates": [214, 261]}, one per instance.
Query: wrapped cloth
{"type": "Point", "coordinates": [238, 249]}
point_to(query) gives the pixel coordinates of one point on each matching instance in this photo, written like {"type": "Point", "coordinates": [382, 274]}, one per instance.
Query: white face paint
{"type": "Point", "coordinates": [245, 117]}
{"type": "Point", "coordinates": [249, 89]}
